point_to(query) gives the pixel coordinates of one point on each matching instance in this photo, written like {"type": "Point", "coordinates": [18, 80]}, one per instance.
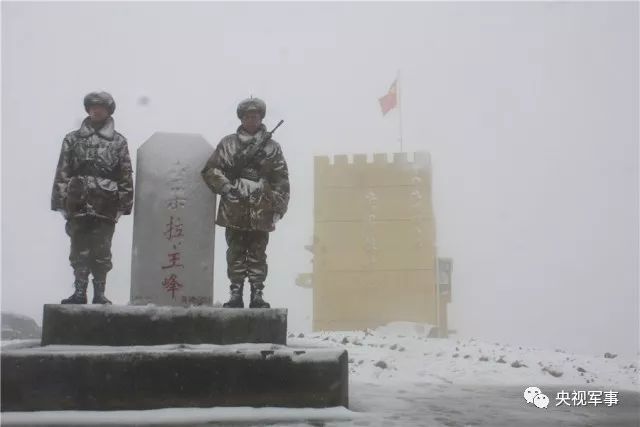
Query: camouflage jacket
{"type": "Point", "coordinates": [94, 175]}
{"type": "Point", "coordinates": [259, 191]}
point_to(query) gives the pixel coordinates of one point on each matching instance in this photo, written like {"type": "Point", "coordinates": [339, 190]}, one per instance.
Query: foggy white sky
{"type": "Point", "coordinates": [529, 111]}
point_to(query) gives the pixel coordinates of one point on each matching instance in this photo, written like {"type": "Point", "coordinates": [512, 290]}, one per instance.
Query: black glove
{"type": "Point", "coordinates": [232, 193]}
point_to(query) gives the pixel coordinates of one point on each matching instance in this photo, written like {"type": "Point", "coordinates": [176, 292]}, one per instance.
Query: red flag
{"type": "Point", "coordinates": [390, 100]}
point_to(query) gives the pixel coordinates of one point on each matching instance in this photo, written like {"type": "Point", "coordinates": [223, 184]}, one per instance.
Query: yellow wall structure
{"type": "Point", "coordinates": [374, 242]}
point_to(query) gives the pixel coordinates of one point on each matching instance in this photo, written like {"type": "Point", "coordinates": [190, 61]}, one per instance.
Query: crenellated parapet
{"type": "Point", "coordinates": [378, 169]}
{"type": "Point", "coordinates": [389, 187]}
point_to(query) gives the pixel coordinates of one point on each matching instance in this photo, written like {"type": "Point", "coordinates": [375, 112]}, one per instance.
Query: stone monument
{"type": "Point", "coordinates": [173, 223]}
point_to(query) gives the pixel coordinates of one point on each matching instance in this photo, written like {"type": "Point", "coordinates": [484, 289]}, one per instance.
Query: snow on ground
{"type": "Point", "coordinates": [398, 376]}
{"type": "Point", "coordinates": [401, 377]}
{"type": "Point", "coordinates": [402, 352]}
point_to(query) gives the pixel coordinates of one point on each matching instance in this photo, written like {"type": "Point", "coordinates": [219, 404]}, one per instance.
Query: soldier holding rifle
{"type": "Point", "coordinates": [249, 172]}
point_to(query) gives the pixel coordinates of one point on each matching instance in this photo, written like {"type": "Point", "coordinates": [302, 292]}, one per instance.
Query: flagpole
{"type": "Point", "coordinates": [398, 88]}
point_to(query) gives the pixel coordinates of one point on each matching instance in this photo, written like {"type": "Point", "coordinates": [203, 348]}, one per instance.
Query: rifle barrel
{"type": "Point", "coordinates": [277, 126]}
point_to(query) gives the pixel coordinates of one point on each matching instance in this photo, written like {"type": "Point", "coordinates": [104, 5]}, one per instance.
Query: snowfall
{"type": "Point", "coordinates": [399, 376]}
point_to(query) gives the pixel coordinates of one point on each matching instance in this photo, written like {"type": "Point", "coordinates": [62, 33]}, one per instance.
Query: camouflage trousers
{"type": "Point", "coordinates": [90, 247]}
{"type": "Point", "coordinates": [246, 255]}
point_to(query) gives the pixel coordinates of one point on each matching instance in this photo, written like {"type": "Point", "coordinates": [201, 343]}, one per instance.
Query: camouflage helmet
{"type": "Point", "coordinates": [252, 104]}
{"type": "Point", "coordinates": [100, 98]}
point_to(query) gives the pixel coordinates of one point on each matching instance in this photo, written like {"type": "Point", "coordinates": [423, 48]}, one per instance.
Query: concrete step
{"type": "Point", "coordinates": [178, 375]}
{"type": "Point", "coordinates": [124, 325]}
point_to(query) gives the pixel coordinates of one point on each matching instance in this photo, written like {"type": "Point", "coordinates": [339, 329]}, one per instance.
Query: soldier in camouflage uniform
{"type": "Point", "coordinates": [254, 196]}
{"type": "Point", "coordinates": [93, 186]}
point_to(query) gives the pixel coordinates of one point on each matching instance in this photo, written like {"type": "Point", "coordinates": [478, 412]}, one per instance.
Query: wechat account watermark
{"type": "Point", "coordinates": [573, 398]}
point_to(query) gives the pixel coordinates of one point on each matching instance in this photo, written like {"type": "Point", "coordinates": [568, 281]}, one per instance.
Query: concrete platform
{"type": "Point", "coordinates": [123, 325]}
{"type": "Point", "coordinates": [149, 377]}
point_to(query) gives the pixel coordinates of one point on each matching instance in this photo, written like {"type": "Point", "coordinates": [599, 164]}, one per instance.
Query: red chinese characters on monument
{"type": "Point", "coordinates": [171, 284]}
{"type": "Point", "coordinates": [177, 174]}
{"type": "Point", "coordinates": [174, 259]}
{"type": "Point", "coordinates": [174, 229]}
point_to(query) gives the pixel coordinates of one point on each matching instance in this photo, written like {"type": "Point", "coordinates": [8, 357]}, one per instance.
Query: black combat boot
{"type": "Point", "coordinates": [80, 295]}
{"type": "Point", "coordinates": [236, 296]}
{"type": "Point", "coordinates": [98, 292]}
{"type": "Point", "coordinates": [256, 297]}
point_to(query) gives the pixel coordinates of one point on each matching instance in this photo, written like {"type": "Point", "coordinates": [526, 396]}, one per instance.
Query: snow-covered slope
{"type": "Point", "coordinates": [402, 352]}
{"type": "Point", "coordinates": [19, 326]}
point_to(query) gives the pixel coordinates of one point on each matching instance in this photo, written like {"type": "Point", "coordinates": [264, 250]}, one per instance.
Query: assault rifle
{"type": "Point", "coordinates": [243, 160]}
